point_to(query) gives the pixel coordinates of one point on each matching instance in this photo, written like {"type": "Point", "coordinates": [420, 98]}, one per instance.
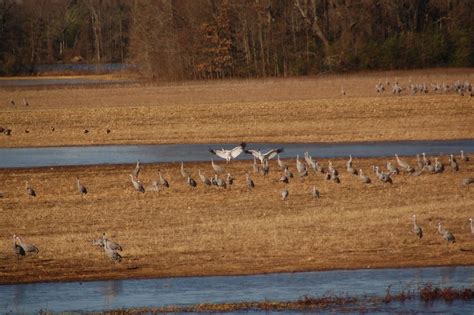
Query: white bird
{"type": "Point", "coordinates": [264, 156]}
{"type": "Point", "coordinates": [229, 154]}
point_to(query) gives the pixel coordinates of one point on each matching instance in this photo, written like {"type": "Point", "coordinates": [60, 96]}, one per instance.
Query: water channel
{"type": "Point", "coordinates": [107, 295]}
{"type": "Point", "coordinates": [122, 154]}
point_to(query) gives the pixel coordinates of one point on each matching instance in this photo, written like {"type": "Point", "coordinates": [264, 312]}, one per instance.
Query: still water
{"type": "Point", "coordinates": [106, 295]}
{"type": "Point", "coordinates": [122, 154]}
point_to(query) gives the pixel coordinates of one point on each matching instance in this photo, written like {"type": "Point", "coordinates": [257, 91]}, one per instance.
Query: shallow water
{"type": "Point", "coordinates": [58, 81]}
{"type": "Point", "coordinates": [122, 154]}
{"type": "Point", "coordinates": [106, 295]}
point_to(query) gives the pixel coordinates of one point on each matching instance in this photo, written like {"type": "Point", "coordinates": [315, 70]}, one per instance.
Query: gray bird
{"type": "Point", "coordinates": [463, 157]}
{"type": "Point", "coordinates": [112, 254]}
{"type": "Point", "coordinates": [163, 181]}
{"type": "Point", "coordinates": [404, 165]}
{"type": "Point", "coordinates": [191, 182]}
{"type": "Point", "coordinates": [29, 190]}
{"type": "Point", "coordinates": [137, 184]}
{"type": "Point", "coordinates": [28, 248]}
{"type": "Point", "coordinates": [249, 182]}
{"type": "Point", "coordinates": [364, 178]}
{"type": "Point", "coordinates": [229, 180]}
{"type": "Point", "coordinates": [447, 235]}
{"type": "Point", "coordinates": [255, 166]}
{"type": "Point", "coordinates": [203, 178]}
{"type": "Point", "coordinates": [19, 251]}
{"type": "Point", "coordinates": [219, 182]}
{"type": "Point", "coordinates": [136, 170]}
{"type": "Point", "coordinates": [217, 168]}
{"type": "Point", "coordinates": [184, 172]}
{"type": "Point", "coordinates": [284, 179]}
{"type": "Point", "coordinates": [82, 189]}
{"type": "Point", "coordinates": [467, 181]}
{"type": "Point", "coordinates": [384, 178]}
{"type": "Point", "coordinates": [284, 194]}
{"type": "Point", "coordinates": [315, 193]}
{"type": "Point", "coordinates": [416, 228]}
{"type": "Point", "coordinates": [112, 245]}
{"type": "Point", "coordinates": [25, 102]}
{"type": "Point", "coordinates": [281, 164]}
{"type": "Point", "coordinates": [454, 163]}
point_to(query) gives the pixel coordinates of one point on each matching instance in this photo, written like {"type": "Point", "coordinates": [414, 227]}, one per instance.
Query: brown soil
{"type": "Point", "coordinates": [271, 110]}
{"type": "Point", "coordinates": [209, 231]}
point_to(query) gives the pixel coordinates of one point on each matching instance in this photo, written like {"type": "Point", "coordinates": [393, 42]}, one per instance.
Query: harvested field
{"type": "Point", "coordinates": [209, 231]}
{"type": "Point", "coordinates": [272, 110]}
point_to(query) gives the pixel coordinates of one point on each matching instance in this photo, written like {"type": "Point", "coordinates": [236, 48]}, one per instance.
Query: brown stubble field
{"type": "Point", "coordinates": [184, 231]}
{"type": "Point", "coordinates": [271, 110]}
{"type": "Point", "coordinates": [207, 231]}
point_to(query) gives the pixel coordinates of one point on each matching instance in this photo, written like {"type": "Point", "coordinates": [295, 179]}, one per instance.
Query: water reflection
{"type": "Point", "coordinates": [110, 290]}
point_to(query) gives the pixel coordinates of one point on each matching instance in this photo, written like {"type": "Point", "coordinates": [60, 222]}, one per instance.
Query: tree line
{"type": "Point", "coordinates": [205, 39]}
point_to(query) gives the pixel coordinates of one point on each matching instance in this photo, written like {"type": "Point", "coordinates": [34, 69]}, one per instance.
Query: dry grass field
{"type": "Point", "coordinates": [205, 230]}
{"type": "Point", "coordinates": [271, 110]}
{"type": "Point", "coordinates": [184, 231]}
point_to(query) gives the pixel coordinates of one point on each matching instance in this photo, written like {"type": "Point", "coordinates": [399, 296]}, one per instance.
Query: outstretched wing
{"type": "Point", "coordinates": [272, 153]}
{"type": "Point", "coordinates": [235, 152]}
{"type": "Point", "coordinates": [220, 153]}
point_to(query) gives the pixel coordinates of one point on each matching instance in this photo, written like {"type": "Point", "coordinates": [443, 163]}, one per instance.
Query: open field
{"type": "Point", "coordinates": [270, 110]}
{"type": "Point", "coordinates": [202, 231]}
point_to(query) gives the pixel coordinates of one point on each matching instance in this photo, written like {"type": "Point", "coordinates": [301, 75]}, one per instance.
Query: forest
{"type": "Point", "coordinates": [212, 39]}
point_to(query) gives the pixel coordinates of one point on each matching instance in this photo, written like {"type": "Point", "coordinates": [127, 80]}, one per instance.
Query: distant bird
{"type": "Point", "coordinates": [447, 235]}
{"type": "Point", "coordinates": [249, 182]}
{"type": "Point", "coordinates": [229, 180]}
{"type": "Point", "coordinates": [343, 92]}
{"type": "Point", "coordinates": [137, 184]}
{"type": "Point", "coordinates": [467, 181]}
{"type": "Point", "coordinates": [136, 170]}
{"type": "Point", "coordinates": [19, 251]}
{"type": "Point", "coordinates": [284, 194]}
{"type": "Point", "coordinates": [82, 189]}
{"type": "Point", "coordinates": [426, 161]}
{"type": "Point", "coordinates": [27, 131]}
{"type": "Point", "coordinates": [163, 181]}
{"type": "Point", "coordinates": [335, 177]}
{"type": "Point", "coordinates": [284, 179]}
{"type": "Point", "coordinates": [86, 131]}
{"type": "Point", "coordinates": [29, 190]}
{"type": "Point", "coordinates": [217, 168]}
{"type": "Point", "coordinates": [203, 178]}
{"type": "Point", "coordinates": [52, 128]}
{"type": "Point", "coordinates": [112, 245]}
{"type": "Point", "coordinates": [287, 172]}
{"type": "Point", "coordinates": [472, 226]}
{"type": "Point", "coordinates": [28, 248]}
{"type": "Point", "coordinates": [364, 178]}
{"type": "Point", "coordinates": [107, 131]}
{"type": "Point", "coordinates": [219, 182]}
{"type": "Point", "coordinates": [191, 182]}
{"type": "Point", "coordinates": [384, 178]}
{"type": "Point", "coordinates": [229, 154]}
{"type": "Point", "coordinates": [184, 172]}
{"type": "Point", "coordinates": [404, 165]}
{"type": "Point", "coordinates": [315, 193]}
{"type": "Point", "coordinates": [265, 169]}
{"type": "Point", "coordinates": [416, 228]}
{"type": "Point", "coordinates": [299, 165]}
{"type": "Point", "coordinates": [255, 166]}
{"type": "Point", "coordinates": [12, 102]}
{"type": "Point", "coordinates": [438, 166]}
{"type": "Point", "coordinates": [392, 169]}
{"type": "Point", "coordinates": [281, 165]}
{"type": "Point", "coordinates": [25, 102]}
{"type": "Point", "coordinates": [454, 163]}
{"type": "Point", "coordinates": [463, 157]}
{"type": "Point", "coordinates": [264, 156]}
{"type": "Point", "coordinates": [110, 252]}
{"type": "Point", "coordinates": [419, 162]}
{"type": "Point", "coordinates": [331, 169]}
{"type": "Point", "coordinates": [7, 131]}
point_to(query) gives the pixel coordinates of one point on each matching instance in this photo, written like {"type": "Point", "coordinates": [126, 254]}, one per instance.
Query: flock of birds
{"type": "Point", "coordinates": [261, 166]}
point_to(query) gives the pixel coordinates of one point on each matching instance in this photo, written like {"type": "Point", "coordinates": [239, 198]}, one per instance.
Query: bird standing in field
{"type": "Point", "coordinates": [191, 182]}
{"type": "Point", "coordinates": [28, 248]}
{"type": "Point", "coordinates": [136, 170]}
{"type": "Point", "coordinates": [454, 163]}
{"type": "Point", "coordinates": [112, 254]}
{"type": "Point", "coordinates": [463, 157]}
{"type": "Point", "coordinates": [364, 178]}
{"type": "Point", "coordinates": [19, 251]}
{"type": "Point", "coordinates": [217, 168]}
{"type": "Point", "coordinates": [467, 181]}
{"type": "Point", "coordinates": [472, 226]}
{"type": "Point", "coordinates": [416, 228]}
{"type": "Point", "coordinates": [25, 102]}
{"type": "Point", "coordinates": [29, 190]}
{"type": "Point", "coordinates": [163, 181]}
{"type": "Point", "coordinates": [315, 193]}
{"type": "Point", "coordinates": [249, 182]}
{"type": "Point", "coordinates": [284, 194]}
{"type": "Point", "coordinates": [137, 184]}
{"type": "Point", "coordinates": [82, 189]}
{"type": "Point", "coordinates": [206, 181]}
{"type": "Point", "coordinates": [229, 154]}
{"type": "Point", "coordinates": [447, 235]}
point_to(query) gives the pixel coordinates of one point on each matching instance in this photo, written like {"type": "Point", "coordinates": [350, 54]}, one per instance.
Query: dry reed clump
{"type": "Point", "coordinates": [205, 230]}
{"type": "Point", "coordinates": [286, 110]}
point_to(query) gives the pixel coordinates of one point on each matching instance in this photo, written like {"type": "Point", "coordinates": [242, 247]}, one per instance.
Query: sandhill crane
{"type": "Point", "coordinates": [107, 131]}
{"type": "Point", "coordinates": [229, 154]}
{"type": "Point", "coordinates": [19, 251]}
{"type": "Point", "coordinates": [351, 170]}
{"type": "Point", "coordinates": [284, 194]}
{"type": "Point", "coordinates": [280, 162]}
{"type": "Point", "coordinates": [392, 169]}
{"type": "Point", "coordinates": [249, 182]}
{"type": "Point", "coordinates": [299, 166]}
{"type": "Point", "coordinates": [217, 168]}
{"type": "Point", "coordinates": [304, 172]}
{"type": "Point", "coordinates": [438, 166]}
{"type": "Point", "coordinates": [110, 252]}
{"type": "Point", "coordinates": [315, 193]}
{"type": "Point", "coordinates": [426, 161]}
{"type": "Point", "coordinates": [419, 162]}
{"type": "Point", "coordinates": [472, 226]}
{"type": "Point", "coordinates": [384, 178]}
{"type": "Point", "coordinates": [447, 235]}
{"type": "Point", "coordinates": [86, 131]}
{"type": "Point", "coordinates": [335, 177]}
{"type": "Point", "coordinates": [12, 101]}
{"type": "Point", "coordinates": [365, 179]}
{"type": "Point", "coordinates": [155, 185]}
{"type": "Point", "coordinates": [184, 173]}
{"type": "Point", "coordinates": [112, 245]}
{"type": "Point", "coordinates": [287, 172]}
{"type": "Point", "coordinates": [265, 168]}
{"type": "Point", "coordinates": [284, 179]}
{"type": "Point", "coordinates": [98, 242]}
{"type": "Point", "coordinates": [203, 178]}
{"type": "Point", "coordinates": [82, 189]}
{"type": "Point", "coordinates": [229, 180]}
{"type": "Point", "coordinates": [52, 128]}
{"type": "Point", "coordinates": [264, 156]}
{"type": "Point", "coordinates": [463, 157]}
{"type": "Point", "coordinates": [136, 170]}
{"type": "Point", "coordinates": [256, 167]}
{"type": "Point", "coordinates": [29, 190]}
{"type": "Point", "coordinates": [349, 162]}
{"type": "Point", "coordinates": [311, 163]}
{"type": "Point", "coordinates": [28, 248]}
{"type": "Point", "coordinates": [137, 184]}
{"type": "Point", "coordinates": [416, 228]}
{"type": "Point", "coordinates": [331, 169]}
{"type": "Point", "coordinates": [404, 165]}
{"type": "Point", "coordinates": [25, 102]}
{"type": "Point", "coordinates": [191, 182]}
{"type": "Point", "coordinates": [454, 163]}
{"type": "Point", "coordinates": [467, 181]}
{"type": "Point", "coordinates": [163, 181]}
{"type": "Point", "coordinates": [219, 182]}
{"type": "Point", "coordinates": [343, 92]}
